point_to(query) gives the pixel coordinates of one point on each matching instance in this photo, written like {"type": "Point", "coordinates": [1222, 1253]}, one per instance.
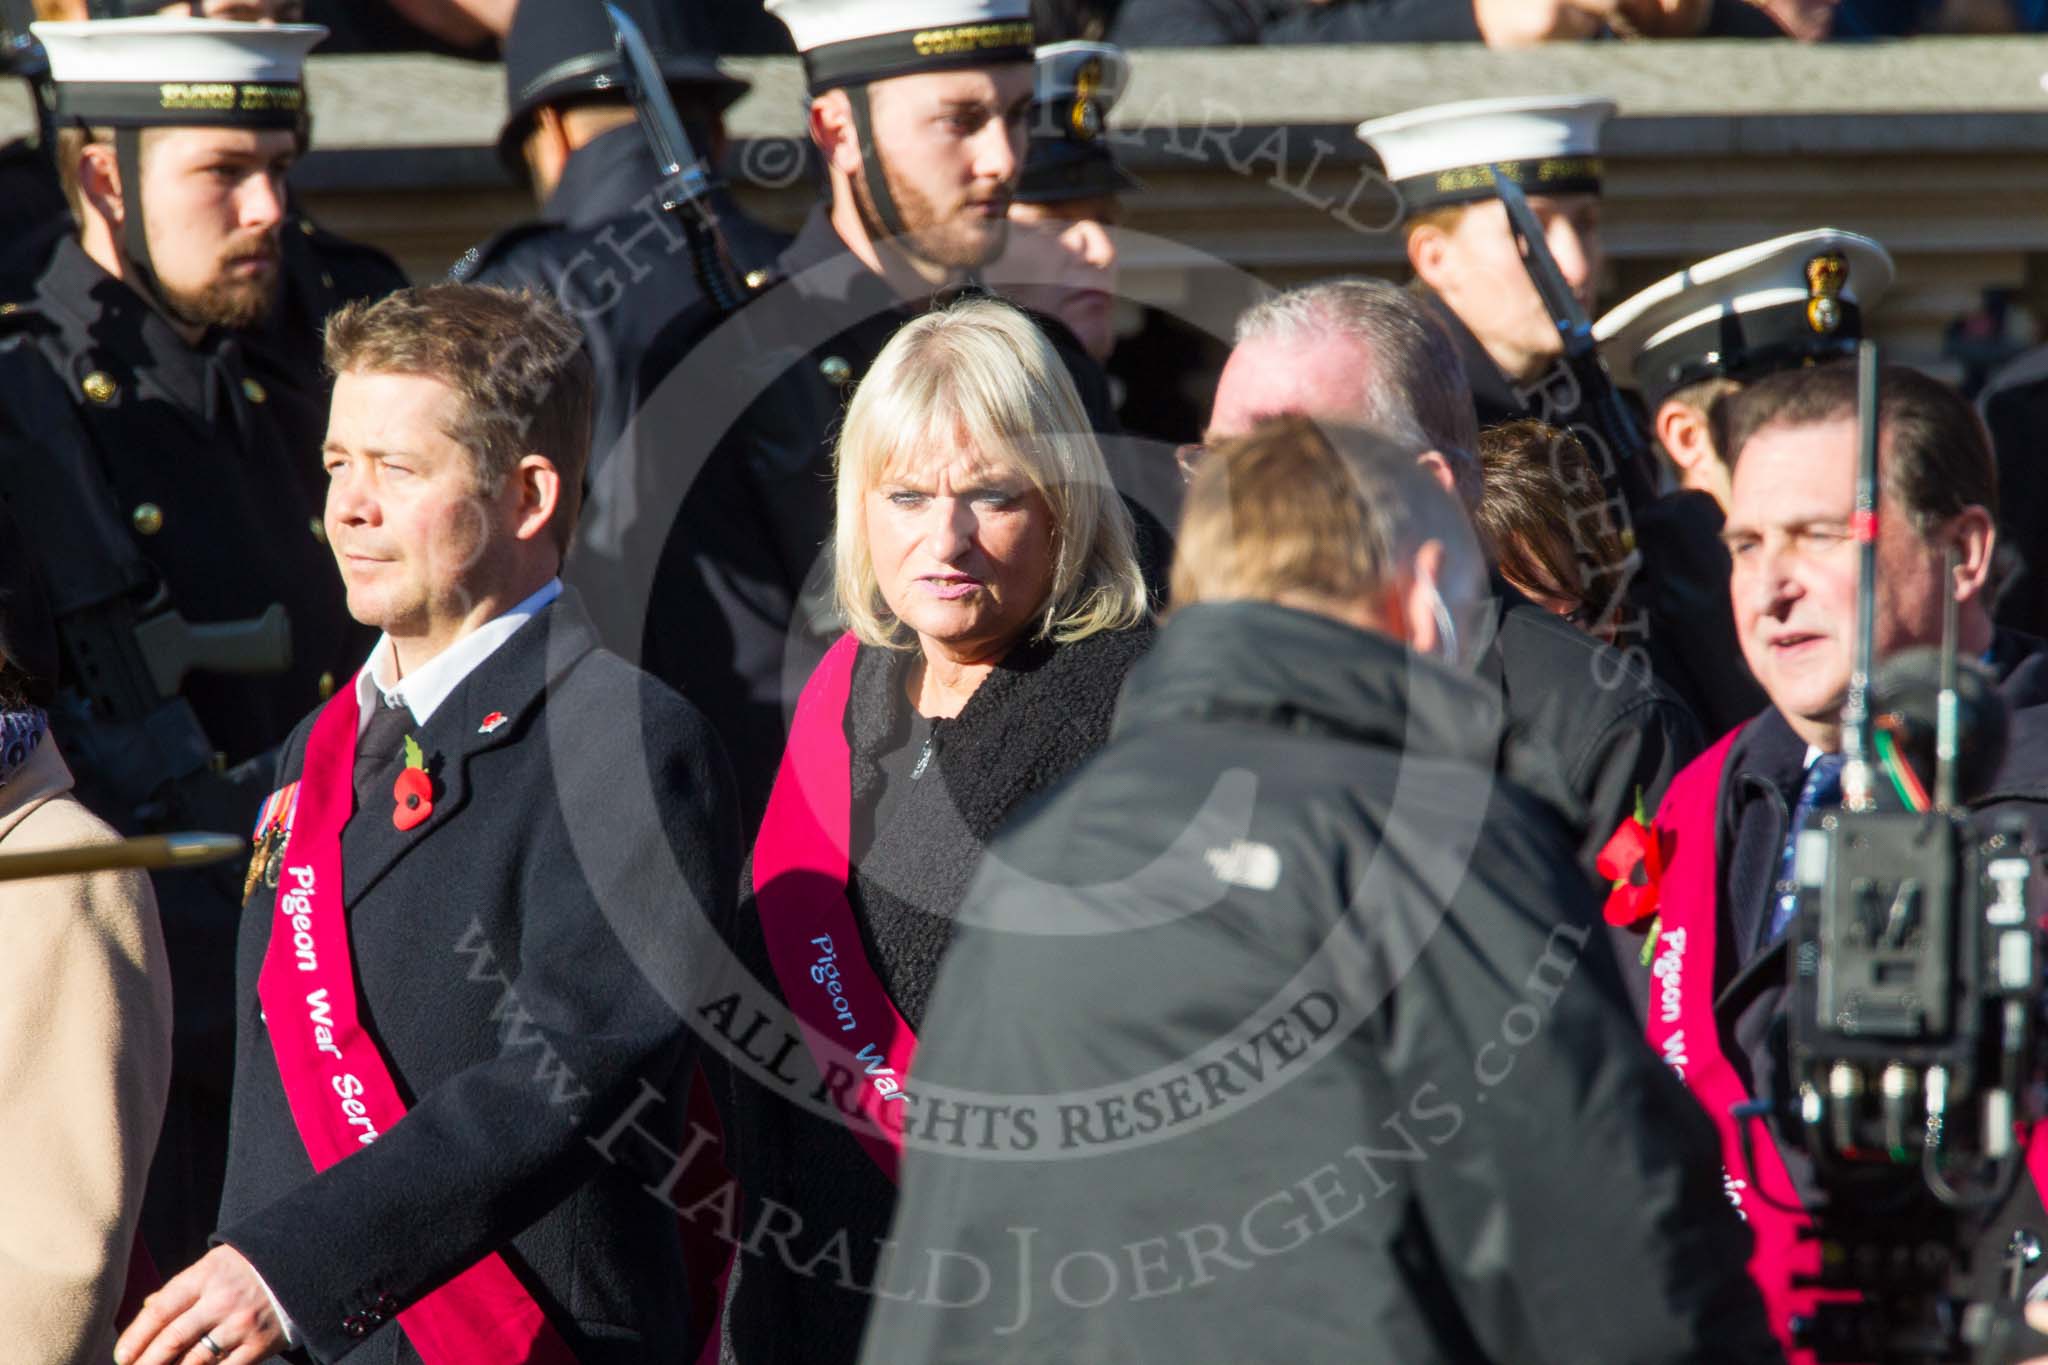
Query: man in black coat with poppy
{"type": "Point", "coordinates": [1791, 440]}
{"type": "Point", "coordinates": [514, 838]}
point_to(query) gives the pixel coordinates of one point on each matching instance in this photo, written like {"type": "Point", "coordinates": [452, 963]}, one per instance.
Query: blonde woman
{"type": "Point", "coordinates": [985, 568]}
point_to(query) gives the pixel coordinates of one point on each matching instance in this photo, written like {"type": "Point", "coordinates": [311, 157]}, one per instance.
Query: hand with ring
{"type": "Point", "coordinates": [215, 1312]}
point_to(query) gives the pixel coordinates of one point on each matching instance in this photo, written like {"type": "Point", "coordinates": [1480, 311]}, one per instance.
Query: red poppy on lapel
{"type": "Point", "coordinates": [414, 790]}
{"type": "Point", "coordinates": [1633, 860]}
{"type": "Point", "coordinates": [491, 722]}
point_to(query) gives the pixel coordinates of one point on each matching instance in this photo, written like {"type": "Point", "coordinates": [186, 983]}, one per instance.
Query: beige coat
{"type": "Point", "coordinates": [85, 1064]}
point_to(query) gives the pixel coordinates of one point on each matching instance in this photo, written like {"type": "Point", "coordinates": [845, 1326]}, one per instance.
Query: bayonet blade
{"type": "Point", "coordinates": [684, 180]}
{"type": "Point", "coordinates": [1563, 305]}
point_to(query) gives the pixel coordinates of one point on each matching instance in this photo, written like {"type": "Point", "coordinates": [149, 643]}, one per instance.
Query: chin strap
{"type": "Point", "coordinates": [871, 162]}
{"type": "Point", "coordinates": [134, 235]}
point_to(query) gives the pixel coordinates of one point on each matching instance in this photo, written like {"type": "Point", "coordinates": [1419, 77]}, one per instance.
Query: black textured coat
{"type": "Point", "coordinates": [1294, 917]}
{"type": "Point", "coordinates": [1617, 732]}
{"type": "Point", "coordinates": [1042, 712]}
{"type": "Point", "coordinates": [516, 957]}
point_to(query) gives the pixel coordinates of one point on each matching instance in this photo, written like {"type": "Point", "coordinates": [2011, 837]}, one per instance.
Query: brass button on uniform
{"type": "Point", "coordinates": [100, 387]}
{"type": "Point", "coordinates": [326, 686]}
{"type": "Point", "coordinates": [326, 280]}
{"type": "Point", "coordinates": [254, 391]}
{"type": "Point", "coordinates": [306, 226]}
{"type": "Point", "coordinates": [148, 518]}
{"type": "Point", "coordinates": [835, 369]}
{"type": "Point", "coordinates": [319, 530]}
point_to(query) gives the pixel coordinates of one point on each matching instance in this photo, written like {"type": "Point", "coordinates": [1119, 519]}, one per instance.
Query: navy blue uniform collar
{"type": "Point", "coordinates": [830, 273]}
{"type": "Point", "coordinates": [1492, 394]}
{"type": "Point", "coordinates": [122, 330]}
{"type": "Point", "coordinates": [611, 176]}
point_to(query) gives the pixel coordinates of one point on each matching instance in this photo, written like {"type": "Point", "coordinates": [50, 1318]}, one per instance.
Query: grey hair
{"type": "Point", "coordinates": [1414, 392]}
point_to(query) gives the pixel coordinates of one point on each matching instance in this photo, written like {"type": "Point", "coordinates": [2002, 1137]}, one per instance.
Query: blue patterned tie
{"type": "Point", "coordinates": [1823, 788]}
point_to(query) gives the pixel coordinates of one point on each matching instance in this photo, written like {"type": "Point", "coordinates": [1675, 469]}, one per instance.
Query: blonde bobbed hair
{"type": "Point", "coordinates": [980, 374]}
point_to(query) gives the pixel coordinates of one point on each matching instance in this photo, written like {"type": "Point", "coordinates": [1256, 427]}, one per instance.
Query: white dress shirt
{"type": "Point", "coordinates": [424, 689]}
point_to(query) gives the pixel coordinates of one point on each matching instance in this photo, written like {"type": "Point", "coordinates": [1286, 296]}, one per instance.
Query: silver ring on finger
{"type": "Point", "coordinates": [220, 1352]}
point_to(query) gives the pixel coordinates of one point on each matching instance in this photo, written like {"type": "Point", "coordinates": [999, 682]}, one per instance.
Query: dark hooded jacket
{"type": "Point", "coordinates": [1298, 1043]}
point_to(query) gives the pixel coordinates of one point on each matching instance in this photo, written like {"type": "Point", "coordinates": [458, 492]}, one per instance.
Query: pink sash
{"type": "Point", "coordinates": [1683, 1030]}
{"type": "Point", "coordinates": [800, 875]}
{"type": "Point", "coordinates": [1686, 1036]}
{"type": "Point", "coordinates": [341, 1093]}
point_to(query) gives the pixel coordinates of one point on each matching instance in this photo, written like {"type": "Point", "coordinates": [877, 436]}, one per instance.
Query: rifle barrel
{"type": "Point", "coordinates": [152, 852]}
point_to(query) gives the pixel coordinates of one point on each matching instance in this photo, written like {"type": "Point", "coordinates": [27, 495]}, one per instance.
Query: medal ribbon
{"type": "Point", "coordinates": [341, 1093]}
{"type": "Point", "coordinates": [800, 876]}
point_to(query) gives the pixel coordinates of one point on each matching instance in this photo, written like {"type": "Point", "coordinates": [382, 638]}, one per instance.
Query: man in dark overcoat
{"type": "Point", "coordinates": [1709, 953]}
{"type": "Point", "coordinates": [475, 894]}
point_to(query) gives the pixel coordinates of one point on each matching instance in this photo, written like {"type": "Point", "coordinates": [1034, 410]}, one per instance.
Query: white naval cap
{"type": "Point", "coordinates": [169, 71]}
{"type": "Point", "coordinates": [1791, 301]}
{"type": "Point", "coordinates": [1068, 158]}
{"type": "Point", "coordinates": [1445, 154]}
{"type": "Point", "coordinates": [852, 42]}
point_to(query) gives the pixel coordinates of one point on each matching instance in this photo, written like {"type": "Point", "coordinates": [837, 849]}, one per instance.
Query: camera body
{"type": "Point", "coordinates": [1913, 1035]}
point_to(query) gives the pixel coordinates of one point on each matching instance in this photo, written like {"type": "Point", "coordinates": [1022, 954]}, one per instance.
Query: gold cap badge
{"type": "Point", "coordinates": [1826, 274]}
{"type": "Point", "coordinates": [100, 387]}
{"type": "Point", "coordinates": [1086, 118]}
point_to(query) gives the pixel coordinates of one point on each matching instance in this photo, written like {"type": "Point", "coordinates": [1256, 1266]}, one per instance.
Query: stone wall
{"type": "Point", "coordinates": [1937, 147]}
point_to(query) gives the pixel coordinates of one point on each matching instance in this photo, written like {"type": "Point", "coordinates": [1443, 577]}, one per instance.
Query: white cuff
{"type": "Point", "coordinates": [284, 1319]}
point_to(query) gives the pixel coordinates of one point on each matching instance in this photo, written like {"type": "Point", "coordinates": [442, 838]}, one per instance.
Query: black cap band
{"type": "Point", "coordinates": [1471, 184]}
{"type": "Point", "coordinates": [1747, 346]}
{"type": "Point", "coordinates": [1058, 170]}
{"type": "Point", "coordinates": [140, 104]}
{"type": "Point", "coordinates": [948, 48]}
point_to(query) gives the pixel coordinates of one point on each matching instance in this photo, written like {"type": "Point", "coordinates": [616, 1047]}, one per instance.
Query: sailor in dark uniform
{"type": "Point", "coordinates": [919, 112]}
{"type": "Point", "coordinates": [1464, 255]}
{"type": "Point", "coordinates": [1684, 344]}
{"type": "Point", "coordinates": [168, 489]}
{"type": "Point", "coordinates": [603, 246]}
{"type": "Point", "coordinates": [1695, 337]}
{"type": "Point", "coordinates": [1674, 614]}
{"type": "Point", "coordinates": [322, 271]}
{"type": "Point", "coordinates": [1061, 260]}
{"type": "Point", "coordinates": [2014, 405]}
{"type": "Point", "coordinates": [1062, 254]}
